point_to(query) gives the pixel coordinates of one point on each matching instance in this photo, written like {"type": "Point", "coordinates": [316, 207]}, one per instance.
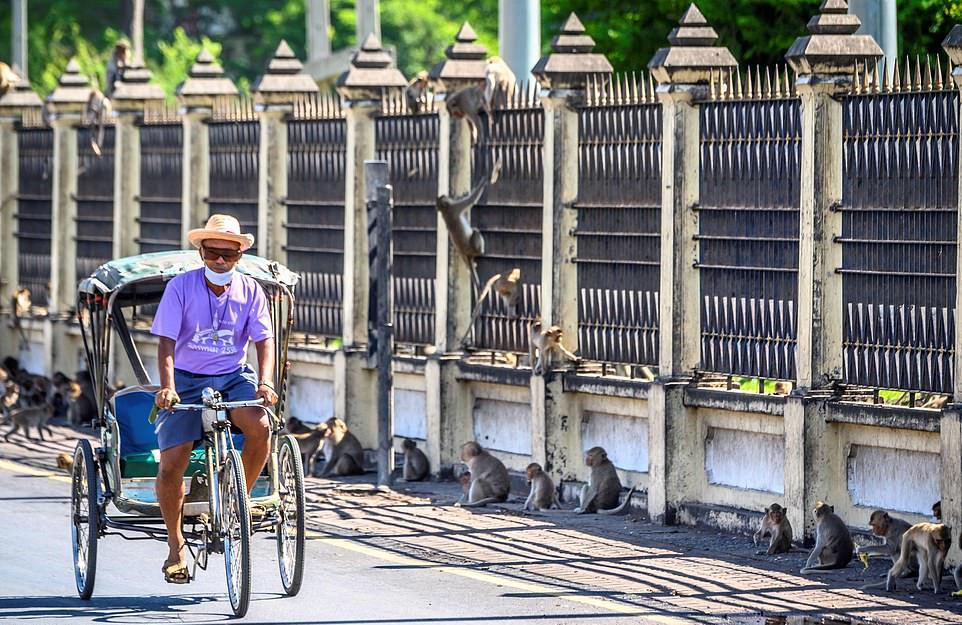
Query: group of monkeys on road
{"type": "Point", "coordinates": [485, 481]}
{"type": "Point", "coordinates": [927, 542]}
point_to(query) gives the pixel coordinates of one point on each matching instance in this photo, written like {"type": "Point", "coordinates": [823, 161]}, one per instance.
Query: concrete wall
{"type": "Point", "coordinates": [502, 422]}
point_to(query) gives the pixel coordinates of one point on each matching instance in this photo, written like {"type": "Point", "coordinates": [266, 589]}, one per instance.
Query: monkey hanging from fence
{"type": "Point", "coordinates": [507, 288]}
{"type": "Point", "coordinates": [99, 107]}
{"type": "Point", "coordinates": [469, 103]}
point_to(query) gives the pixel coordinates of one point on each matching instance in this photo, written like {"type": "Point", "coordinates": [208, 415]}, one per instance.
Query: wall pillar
{"type": "Point", "coordinates": [274, 97]}
{"type": "Point", "coordinates": [683, 72]}
{"type": "Point", "coordinates": [362, 87]}
{"type": "Point", "coordinates": [205, 82]}
{"type": "Point", "coordinates": [66, 103]}
{"type": "Point", "coordinates": [810, 442]}
{"type": "Point", "coordinates": [448, 400]}
{"type": "Point", "coordinates": [563, 75]}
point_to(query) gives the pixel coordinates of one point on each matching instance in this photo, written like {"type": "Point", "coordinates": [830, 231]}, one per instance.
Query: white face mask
{"type": "Point", "coordinates": [219, 279]}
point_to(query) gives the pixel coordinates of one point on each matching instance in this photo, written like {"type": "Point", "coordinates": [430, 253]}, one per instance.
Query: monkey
{"type": "Point", "coordinates": [542, 495]}
{"type": "Point", "coordinates": [99, 109]}
{"type": "Point", "coordinates": [603, 489]}
{"type": "Point", "coordinates": [119, 61]}
{"type": "Point", "coordinates": [489, 481]}
{"type": "Point", "coordinates": [416, 93]}
{"type": "Point", "coordinates": [65, 462]}
{"type": "Point", "coordinates": [936, 402]}
{"type": "Point", "coordinates": [308, 442]}
{"type": "Point", "coordinates": [937, 511]}
{"type": "Point", "coordinates": [416, 465]}
{"type": "Point", "coordinates": [343, 454]}
{"type": "Point", "coordinates": [507, 288]}
{"type": "Point", "coordinates": [20, 307]}
{"type": "Point", "coordinates": [930, 542]}
{"type": "Point", "coordinates": [10, 398]}
{"type": "Point", "coordinates": [891, 530]}
{"type": "Point", "coordinates": [548, 345]}
{"type": "Point", "coordinates": [296, 426]}
{"type": "Point", "coordinates": [466, 238]}
{"type": "Point", "coordinates": [465, 481]}
{"type": "Point", "coordinates": [499, 83]}
{"type": "Point", "coordinates": [31, 416]}
{"type": "Point", "coordinates": [8, 78]}
{"type": "Point", "coordinates": [833, 542]}
{"type": "Point", "coordinates": [783, 388]}
{"type": "Point", "coordinates": [469, 103]}
{"type": "Point", "coordinates": [775, 524]}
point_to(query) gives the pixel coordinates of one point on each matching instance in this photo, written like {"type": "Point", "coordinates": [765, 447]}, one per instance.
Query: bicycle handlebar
{"type": "Point", "coordinates": [222, 405]}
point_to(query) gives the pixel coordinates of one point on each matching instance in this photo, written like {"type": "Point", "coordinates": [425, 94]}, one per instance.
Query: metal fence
{"type": "Point", "coordinates": [509, 216]}
{"type": "Point", "coordinates": [317, 135]}
{"type": "Point", "coordinates": [34, 211]}
{"type": "Point", "coordinates": [95, 201]}
{"type": "Point", "coordinates": [161, 163]}
{"type": "Point", "coordinates": [409, 143]}
{"type": "Point", "coordinates": [619, 223]}
{"type": "Point", "coordinates": [748, 222]}
{"type": "Point", "coordinates": [899, 215]}
{"type": "Point", "coordinates": [234, 158]}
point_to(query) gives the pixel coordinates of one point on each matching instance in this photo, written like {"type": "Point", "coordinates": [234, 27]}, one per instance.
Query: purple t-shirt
{"type": "Point", "coordinates": [210, 331]}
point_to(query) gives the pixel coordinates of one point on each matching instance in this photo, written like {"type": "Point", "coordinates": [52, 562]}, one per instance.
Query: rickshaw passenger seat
{"type": "Point", "coordinates": [138, 441]}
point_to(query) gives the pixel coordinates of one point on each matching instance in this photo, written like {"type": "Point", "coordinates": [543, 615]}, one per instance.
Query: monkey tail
{"type": "Point", "coordinates": [822, 567]}
{"type": "Point", "coordinates": [621, 506]}
{"type": "Point", "coordinates": [482, 502]}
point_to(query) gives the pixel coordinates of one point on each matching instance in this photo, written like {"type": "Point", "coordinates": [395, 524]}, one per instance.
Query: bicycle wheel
{"type": "Point", "coordinates": [85, 518]}
{"type": "Point", "coordinates": [290, 524]}
{"type": "Point", "coordinates": [236, 527]}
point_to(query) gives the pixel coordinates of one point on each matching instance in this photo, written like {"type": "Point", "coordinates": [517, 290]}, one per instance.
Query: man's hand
{"type": "Point", "coordinates": [166, 397]}
{"type": "Point", "coordinates": [267, 394]}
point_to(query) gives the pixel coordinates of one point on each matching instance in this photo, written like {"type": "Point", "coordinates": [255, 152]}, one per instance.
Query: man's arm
{"type": "Point", "coordinates": [265, 371]}
{"type": "Point", "coordinates": [165, 362]}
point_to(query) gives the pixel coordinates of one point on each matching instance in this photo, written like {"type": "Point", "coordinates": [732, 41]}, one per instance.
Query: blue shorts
{"type": "Point", "coordinates": [175, 428]}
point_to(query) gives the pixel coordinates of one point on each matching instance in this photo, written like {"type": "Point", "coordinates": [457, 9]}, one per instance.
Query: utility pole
{"type": "Point", "coordinates": [137, 32]}
{"type": "Point", "coordinates": [880, 20]}
{"type": "Point", "coordinates": [18, 35]}
{"type": "Point", "coordinates": [323, 63]}
{"type": "Point", "coordinates": [519, 35]}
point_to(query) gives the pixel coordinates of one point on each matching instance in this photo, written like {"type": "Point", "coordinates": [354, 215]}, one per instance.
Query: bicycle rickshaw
{"type": "Point", "coordinates": [113, 484]}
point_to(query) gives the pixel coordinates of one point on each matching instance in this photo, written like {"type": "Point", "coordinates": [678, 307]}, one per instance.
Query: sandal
{"type": "Point", "coordinates": [175, 572]}
{"type": "Point", "coordinates": [258, 511]}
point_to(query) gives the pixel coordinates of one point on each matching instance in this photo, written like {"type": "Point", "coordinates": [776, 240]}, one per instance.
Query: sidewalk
{"type": "Point", "coordinates": [623, 561]}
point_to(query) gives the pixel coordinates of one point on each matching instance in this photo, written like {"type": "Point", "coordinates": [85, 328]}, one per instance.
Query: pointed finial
{"type": "Point", "coordinates": [832, 48]}
{"type": "Point", "coordinates": [205, 82]}
{"type": "Point", "coordinates": [284, 81]}
{"type": "Point", "coordinates": [371, 73]}
{"type": "Point", "coordinates": [464, 64]}
{"type": "Point", "coordinates": [571, 60]}
{"type": "Point", "coordinates": [72, 92]}
{"type": "Point", "coordinates": [692, 55]}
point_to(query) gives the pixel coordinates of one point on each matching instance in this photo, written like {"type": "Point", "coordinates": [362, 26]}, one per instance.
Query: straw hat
{"type": "Point", "coordinates": [224, 228]}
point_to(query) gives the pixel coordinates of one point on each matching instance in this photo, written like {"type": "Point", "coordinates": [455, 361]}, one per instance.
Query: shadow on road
{"type": "Point", "coordinates": [99, 609]}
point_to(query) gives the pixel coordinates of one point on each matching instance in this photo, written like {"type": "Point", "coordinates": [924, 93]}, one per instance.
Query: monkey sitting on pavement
{"type": "Point", "coordinates": [489, 481]}
{"type": "Point", "coordinates": [542, 495]}
{"type": "Point", "coordinates": [603, 489]}
{"type": "Point", "coordinates": [343, 454]}
{"type": "Point", "coordinates": [506, 287]}
{"type": "Point", "coordinates": [929, 542]}
{"type": "Point", "coordinates": [416, 465]}
{"type": "Point", "coordinates": [547, 343]}
{"type": "Point", "coordinates": [833, 542]}
{"type": "Point", "coordinates": [308, 442]}
{"type": "Point", "coordinates": [891, 530]}
{"type": "Point", "coordinates": [65, 462]}
{"type": "Point", "coordinates": [775, 524]}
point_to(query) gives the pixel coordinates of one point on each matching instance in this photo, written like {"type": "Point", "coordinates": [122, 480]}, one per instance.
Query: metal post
{"type": "Point", "coordinates": [380, 200]}
{"type": "Point", "coordinates": [137, 32]}
{"type": "Point", "coordinates": [318, 23]}
{"type": "Point", "coordinates": [18, 36]}
{"type": "Point", "coordinates": [519, 35]}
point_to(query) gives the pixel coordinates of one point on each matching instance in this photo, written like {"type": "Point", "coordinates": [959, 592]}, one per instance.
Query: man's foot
{"type": "Point", "coordinates": [176, 572]}
{"type": "Point", "coordinates": [258, 512]}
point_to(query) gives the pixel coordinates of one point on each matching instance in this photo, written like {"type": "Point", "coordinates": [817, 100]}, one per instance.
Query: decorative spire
{"type": "Point", "coordinates": [693, 58]}
{"type": "Point", "coordinates": [134, 90]}
{"type": "Point", "coordinates": [284, 81]}
{"type": "Point", "coordinates": [571, 63]}
{"type": "Point", "coordinates": [205, 82]}
{"type": "Point", "coordinates": [372, 71]}
{"type": "Point", "coordinates": [833, 48]}
{"type": "Point", "coordinates": [72, 92]}
{"type": "Point", "coordinates": [464, 64]}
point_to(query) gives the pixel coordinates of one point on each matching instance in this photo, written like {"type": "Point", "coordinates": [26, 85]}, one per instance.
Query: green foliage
{"type": "Point", "coordinates": [177, 56]}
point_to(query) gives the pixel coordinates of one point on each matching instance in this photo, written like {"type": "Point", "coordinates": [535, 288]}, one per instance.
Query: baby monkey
{"type": "Point", "coordinates": [775, 524]}
{"type": "Point", "coordinates": [543, 495]}
{"type": "Point", "coordinates": [547, 343]}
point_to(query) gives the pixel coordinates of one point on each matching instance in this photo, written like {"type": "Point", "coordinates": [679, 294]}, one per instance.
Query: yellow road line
{"type": "Point", "coordinates": [498, 580]}
{"type": "Point", "coordinates": [387, 556]}
{"type": "Point", "coordinates": [16, 467]}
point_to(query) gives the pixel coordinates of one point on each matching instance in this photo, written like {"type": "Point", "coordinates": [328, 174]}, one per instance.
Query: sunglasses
{"type": "Point", "coordinates": [213, 254]}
